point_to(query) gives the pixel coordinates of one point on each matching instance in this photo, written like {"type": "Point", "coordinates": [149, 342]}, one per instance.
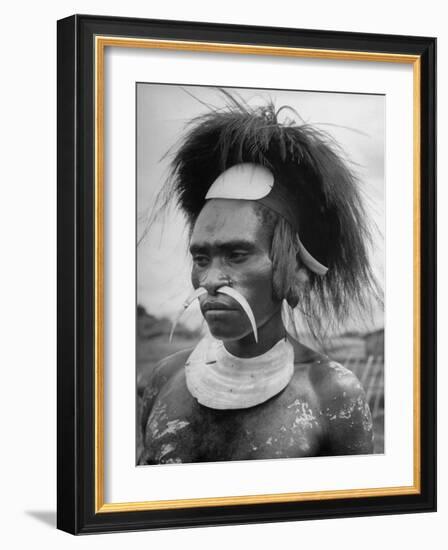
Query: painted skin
{"type": "Point", "coordinates": [322, 411]}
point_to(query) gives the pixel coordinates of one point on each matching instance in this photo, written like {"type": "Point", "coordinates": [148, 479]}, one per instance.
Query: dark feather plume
{"type": "Point", "coordinates": [311, 165]}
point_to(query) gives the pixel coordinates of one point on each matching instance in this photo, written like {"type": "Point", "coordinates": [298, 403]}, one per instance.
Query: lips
{"type": "Point", "coordinates": [216, 306]}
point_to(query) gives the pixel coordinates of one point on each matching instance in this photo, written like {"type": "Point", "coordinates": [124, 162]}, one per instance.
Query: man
{"type": "Point", "coordinates": [277, 225]}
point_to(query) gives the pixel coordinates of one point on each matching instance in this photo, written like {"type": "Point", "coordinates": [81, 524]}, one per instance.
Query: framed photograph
{"type": "Point", "coordinates": [246, 274]}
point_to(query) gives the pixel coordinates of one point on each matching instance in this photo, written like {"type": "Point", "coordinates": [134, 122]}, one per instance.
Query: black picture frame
{"type": "Point", "coordinates": [77, 511]}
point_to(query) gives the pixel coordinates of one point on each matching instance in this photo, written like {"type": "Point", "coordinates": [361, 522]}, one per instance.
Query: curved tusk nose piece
{"type": "Point", "coordinates": [194, 296]}
{"type": "Point", "coordinates": [244, 304]}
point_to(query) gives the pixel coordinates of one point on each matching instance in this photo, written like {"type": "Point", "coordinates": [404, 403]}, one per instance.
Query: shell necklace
{"type": "Point", "coordinates": [220, 380]}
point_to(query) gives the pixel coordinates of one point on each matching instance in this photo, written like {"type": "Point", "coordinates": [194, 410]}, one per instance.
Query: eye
{"type": "Point", "coordinates": [200, 260]}
{"type": "Point", "coordinates": [238, 256]}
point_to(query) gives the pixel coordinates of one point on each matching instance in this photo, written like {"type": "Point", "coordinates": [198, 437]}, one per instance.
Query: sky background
{"type": "Point", "coordinates": [356, 121]}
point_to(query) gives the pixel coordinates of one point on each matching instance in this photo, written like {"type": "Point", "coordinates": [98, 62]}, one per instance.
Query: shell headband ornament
{"type": "Point", "coordinates": [254, 182]}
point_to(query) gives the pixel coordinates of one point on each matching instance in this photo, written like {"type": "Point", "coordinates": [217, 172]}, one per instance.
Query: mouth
{"type": "Point", "coordinates": [216, 307]}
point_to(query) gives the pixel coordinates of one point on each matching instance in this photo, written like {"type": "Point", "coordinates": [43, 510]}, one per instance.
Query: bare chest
{"type": "Point", "coordinates": [179, 429]}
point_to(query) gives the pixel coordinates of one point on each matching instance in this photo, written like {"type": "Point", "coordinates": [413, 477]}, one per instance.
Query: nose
{"type": "Point", "coordinates": [213, 279]}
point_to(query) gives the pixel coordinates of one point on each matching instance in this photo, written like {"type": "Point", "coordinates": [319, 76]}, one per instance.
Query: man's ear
{"type": "Point", "coordinates": [289, 274]}
{"type": "Point", "coordinates": [300, 279]}
{"type": "Point", "coordinates": [302, 275]}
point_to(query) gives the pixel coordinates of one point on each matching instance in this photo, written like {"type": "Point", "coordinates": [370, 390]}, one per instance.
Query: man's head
{"type": "Point", "coordinates": [231, 246]}
{"type": "Point", "coordinates": [322, 222]}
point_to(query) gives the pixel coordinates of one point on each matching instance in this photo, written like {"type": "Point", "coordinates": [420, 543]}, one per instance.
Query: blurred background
{"type": "Point", "coordinates": [356, 121]}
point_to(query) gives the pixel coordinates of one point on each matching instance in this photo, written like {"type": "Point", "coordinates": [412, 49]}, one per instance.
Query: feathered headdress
{"type": "Point", "coordinates": [322, 191]}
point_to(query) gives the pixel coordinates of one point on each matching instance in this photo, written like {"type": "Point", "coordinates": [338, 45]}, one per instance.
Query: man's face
{"type": "Point", "coordinates": [230, 242]}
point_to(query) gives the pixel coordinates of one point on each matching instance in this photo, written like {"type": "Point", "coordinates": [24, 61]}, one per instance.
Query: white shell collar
{"type": "Point", "coordinates": [220, 380]}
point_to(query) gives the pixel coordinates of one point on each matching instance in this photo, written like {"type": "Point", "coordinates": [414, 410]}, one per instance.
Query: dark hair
{"type": "Point", "coordinates": [324, 191]}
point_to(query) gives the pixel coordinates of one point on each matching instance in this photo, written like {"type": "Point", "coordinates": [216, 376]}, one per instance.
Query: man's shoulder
{"type": "Point", "coordinates": [174, 361]}
{"type": "Point", "coordinates": [331, 378]}
{"type": "Point", "coordinates": [166, 368]}
{"type": "Point", "coordinates": [343, 404]}
{"type": "Point", "coordinates": [164, 371]}
{"type": "Point", "coordinates": [328, 377]}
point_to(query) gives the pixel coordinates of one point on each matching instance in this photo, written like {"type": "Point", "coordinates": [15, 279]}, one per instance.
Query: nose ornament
{"type": "Point", "coordinates": [239, 298]}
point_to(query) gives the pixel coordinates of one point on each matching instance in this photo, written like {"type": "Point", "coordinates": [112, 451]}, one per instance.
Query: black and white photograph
{"type": "Point", "coordinates": [260, 274]}
{"type": "Point", "coordinates": [220, 266]}
{"type": "Point", "coordinates": [247, 268]}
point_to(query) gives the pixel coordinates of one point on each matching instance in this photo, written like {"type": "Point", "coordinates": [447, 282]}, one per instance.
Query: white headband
{"type": "Point", "coordinates": [254, 182]}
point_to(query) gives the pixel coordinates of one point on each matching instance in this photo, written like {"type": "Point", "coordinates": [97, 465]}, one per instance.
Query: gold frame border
{"type": "Point", "coordinates": [101, 42]}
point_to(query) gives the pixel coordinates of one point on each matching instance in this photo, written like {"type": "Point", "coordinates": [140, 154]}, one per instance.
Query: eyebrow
{"type": "Point", "coordinates": [224, 246]}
